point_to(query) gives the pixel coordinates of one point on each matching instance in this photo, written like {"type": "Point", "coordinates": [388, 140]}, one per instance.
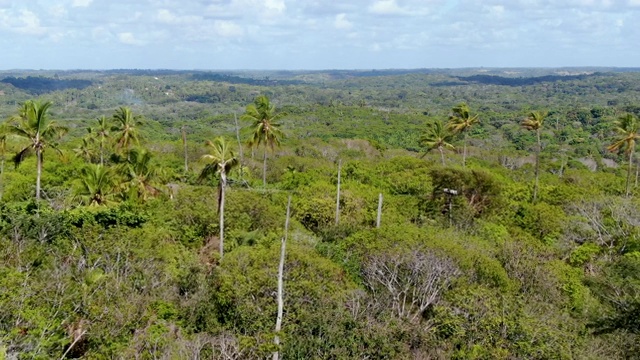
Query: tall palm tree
{"type": "Point", "coordinates": [101, 132]}
{"type": "Point", "coordinates": [460, 121]}
{"type": "Point", "coordinates": [33, 123]}
{"type": "Point", "coordinates": [139, 175]}
{"type": "Point", "coordinates": [436, 136]}
{"type": "Point", "coordinates": [534, 122]}
{"type": "Point", "coordinates": [96, 185]}
{"type": "Point", "coordinates": [3, 150]}
{"type": "Point", "coordinates": [126, 128]}
{"type": "Point", "coordinates": [627, 127]}
{"type": "Point", "coordinates": [221, 161]}
{"type": "Point", "coordinates": [264, 127]}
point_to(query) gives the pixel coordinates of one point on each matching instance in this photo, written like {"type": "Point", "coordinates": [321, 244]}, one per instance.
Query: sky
{"type": "Point", "coordinates": [317, 34]}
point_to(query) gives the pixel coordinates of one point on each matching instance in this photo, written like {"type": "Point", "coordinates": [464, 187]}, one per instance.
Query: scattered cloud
{"type": "Point", "coordinates": [438, 32]}
{"type": "Point", "coordinates": [129, 39]}
{"type": "Point", "coordinates": [81, 3]}
{"type": "Point", "coordinates": [341, 22]}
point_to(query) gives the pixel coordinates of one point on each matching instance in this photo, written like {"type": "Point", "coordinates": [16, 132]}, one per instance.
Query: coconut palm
{"type": "Point", "coordinates": [33, 123]}
{"type": "Point", "coordinates": [436, 136]}
{"type": "Point", "coordinates": [264, 127]}
{"type": "Point", "coordinates": [534, 122]}
{"type": "Point", "coordinates": [627, 127]}
{"type": "Point", "coordinates": [460, 121]}
{"type": "Point", "coordinates": [96, 185]}
{"type": "Point", "coordinates": [139, 175]}
{"type": "Point", "coordinates": [221, 160]}
{"type": "Point", "coordinates": [84, 151]}
{"type": "Point", "coordinates": [126, 128]}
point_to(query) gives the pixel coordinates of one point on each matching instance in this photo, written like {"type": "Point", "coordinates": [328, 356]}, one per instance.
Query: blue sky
{"type": "Point", "coordinates": [317, 34]}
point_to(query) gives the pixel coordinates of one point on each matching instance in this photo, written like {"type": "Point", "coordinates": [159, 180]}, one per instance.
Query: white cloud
{"type": "Point", "coordinates": [81, 3]}
{"type": "Point", "coordinates": [228, 29]}
{"type": "Point", "coordinates": [341, 22]}
{"type": "Point", "coordinates": [387, 7]}
{"type": "Point", "coordinates": [167, 17]}
{"type": "Point", "coordinates": [129, 39]}
{"type": "Point", "coordinates": [28, 23]}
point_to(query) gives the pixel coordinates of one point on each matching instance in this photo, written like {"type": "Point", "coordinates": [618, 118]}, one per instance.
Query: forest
{"type": "Point", "coordinates": [373, 214]}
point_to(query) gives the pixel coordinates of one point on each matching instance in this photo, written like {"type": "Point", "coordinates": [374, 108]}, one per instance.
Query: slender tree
{"type": "Point", "coordinates": [283, 246]}
{"type": "Point", "coordinates": [264, 128]}
{"type": "Point", "coordinates": [534, 122]}
{"type": "Point", "coordinates": [126, 128]}
{"type": "Point", "coordinates": [221, 160]}
{"type": "Point", "coordinates": [3, 151]}
{"type": "Point", "coordinates": [33, 123]}
{"type": "Point", "coordinates": [436, 136]}
{"type": "Point", "coordinates": [628, 128]}
{"type": "Point", "coordinates": [101, 133]}
{"type": "Point", "coordinates": [460, 121]}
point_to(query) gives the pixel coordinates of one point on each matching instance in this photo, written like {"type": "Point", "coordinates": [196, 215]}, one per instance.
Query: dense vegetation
{"type": "Point", "coordinates": [148, 222]}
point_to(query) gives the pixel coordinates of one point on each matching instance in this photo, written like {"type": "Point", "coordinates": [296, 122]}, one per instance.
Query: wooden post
{"type": "Point", "coordinates": [283, 246]}
{"type": "Point", "coordinates": [379, 211]}
{"type": "Point", "coordinates": [338, 196]}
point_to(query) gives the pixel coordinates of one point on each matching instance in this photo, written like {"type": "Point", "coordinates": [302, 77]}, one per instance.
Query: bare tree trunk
{"type": "Point", "coordinates": [223, 185]}
{"type": "Point", "coordinates": [441, 155]}
{"type": "Point", "coordinates": [338, 195]}
{"type": "Point", "coordinates": [637, 173]}
{"type": "Point", "coordinates": [235, 118]}
{"type": "Point", "coordinates": [184, 145]}
{"type": "Point", "coordinates": [537, 168]}
{"type": "Point", "coordinates": [379, 211]}
{"type": "Point", "coordinates": [629, 173]}
{"type": "Point", "coordinates": [283, 246]}
{"type": "Point", "coordinates": [39, 172]}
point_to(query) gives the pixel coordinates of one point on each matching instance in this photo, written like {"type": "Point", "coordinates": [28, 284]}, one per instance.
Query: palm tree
{"type": "Point", "coordinates": [96, 185]}
{"type": "Point", "coordinates": [263, 116]}
{"type": "Point", "coordinates": [139, 175]}
{"type": "Point", "coordinates": [436, 136]}
{"type": "Point", "coordinates": [3, 150]}
{"type": "Point", "coordinates": [33, 123]}
{"type": "Point", "coordinates": [221, 161]}
{"type": "Point", "coordinates": [627, 127]}
{"type": "Point", "coordinates": [127, 132]}
{"type": "Point", "coordinates": [84, 151]}
{"type": "Point", "coordinates": [460, 121]}
{"type": "Point", "coordinates": [535, 121]}
{"type": "Point", "coordinates": [101, 132]}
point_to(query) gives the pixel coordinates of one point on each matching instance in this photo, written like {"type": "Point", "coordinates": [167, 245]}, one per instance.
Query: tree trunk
{"type": "Point", "coordinates": [235, 118]}
{"type": "Point", "coordinates": [441, 155]}
{"type": "Point", "coordinates": [464, 152]}
{"type": "Point", "coordinates": [223, 185]}
{"type": "Point", "coordinates": [629, 173]}
{"type": "Point", "coordinates": [379, 211]}
{"type": "Point", "coordinates": [338, 194]}
{"type": "Point", "coordinates": [39, 172]}
{"type": "Point", "coordinates": [283, 246]}
{"type": "Point", "coordinates": [184, 144]}
{"type": "Point", "coordinates": [101, 151]}
{"type": "Point", "coordinates": [2, 175]}
{"type": "Point", "coordinates": [264, 169]}
{"type": "Point", "coordinates": [537, 168]}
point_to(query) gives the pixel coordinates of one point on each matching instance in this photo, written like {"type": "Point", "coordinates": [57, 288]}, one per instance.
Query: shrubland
{"type": "Point", "coordinates": [535, 254]}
